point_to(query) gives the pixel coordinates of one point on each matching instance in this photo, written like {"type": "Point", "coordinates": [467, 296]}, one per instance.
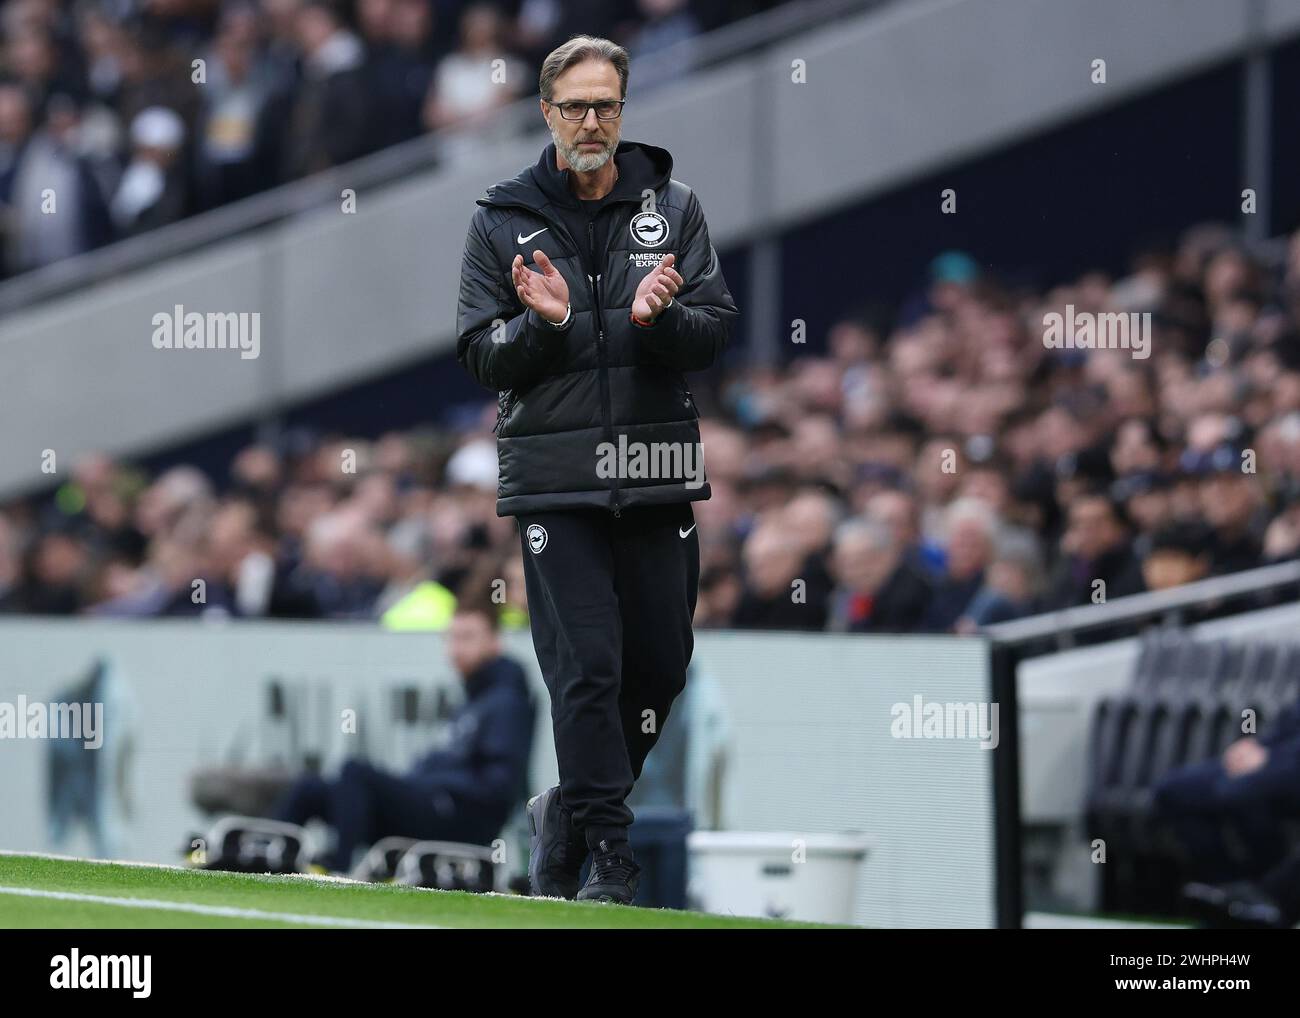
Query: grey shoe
{"type": "Point", "coordinates": [556, 849]}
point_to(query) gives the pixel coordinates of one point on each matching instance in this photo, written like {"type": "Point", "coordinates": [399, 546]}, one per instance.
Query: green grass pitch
{"type": "Point", "coordinates": [45, 892]}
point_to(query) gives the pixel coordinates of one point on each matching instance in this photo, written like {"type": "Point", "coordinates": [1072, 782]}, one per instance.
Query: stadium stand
{"type": "Point", "coordinates": [146, 112]}
{"type": "Point", "coordinates": [1064, 471]}
{"type": "Point", "coordinates": [925, 464]}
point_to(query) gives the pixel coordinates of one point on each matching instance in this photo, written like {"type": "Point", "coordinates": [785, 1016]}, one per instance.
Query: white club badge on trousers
{"type": "Point", "coordinates": [536, 535]}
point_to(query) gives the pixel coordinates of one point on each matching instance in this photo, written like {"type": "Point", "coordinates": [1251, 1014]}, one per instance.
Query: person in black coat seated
{"type": "Point", "coordinates": [879, 588]}
{"type": "Point", "coordinates": [464, 792]}
{"type": "Point", "coordinates": [1229, 813]}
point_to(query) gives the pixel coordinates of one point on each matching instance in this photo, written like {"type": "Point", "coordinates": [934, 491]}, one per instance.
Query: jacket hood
{"type": "Point", "coordinates": [640, 166]}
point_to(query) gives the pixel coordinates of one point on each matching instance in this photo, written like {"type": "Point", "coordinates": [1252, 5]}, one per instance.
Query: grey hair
{"type": "Point", "coordinates": [575, 51]}
{"type": "Point", "coordinates": [976, 510]}
{"type": "Point", "coordinates": [876, 533]}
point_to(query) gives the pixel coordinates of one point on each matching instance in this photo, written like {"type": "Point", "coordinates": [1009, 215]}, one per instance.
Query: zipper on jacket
{"type": "Point", "coordinates": [602, 356]}
{"type": "Point", "coordinates": [503, 411]}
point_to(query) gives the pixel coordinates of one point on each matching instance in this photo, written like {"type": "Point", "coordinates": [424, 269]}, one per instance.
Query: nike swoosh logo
{"type": "Point", "coordinates": [524, 240]}
{"type": "Point", "coordinates": [687, 531]}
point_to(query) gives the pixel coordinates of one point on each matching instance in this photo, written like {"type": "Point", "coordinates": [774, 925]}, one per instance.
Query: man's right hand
{"type": "Point", "coordinates": [545, 292]}
{"type": "Point", "coordinates": [1244, 757]}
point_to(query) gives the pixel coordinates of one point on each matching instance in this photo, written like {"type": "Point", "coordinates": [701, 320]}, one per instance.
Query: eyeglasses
{"type": "Point", "coordinates": [606, 109]}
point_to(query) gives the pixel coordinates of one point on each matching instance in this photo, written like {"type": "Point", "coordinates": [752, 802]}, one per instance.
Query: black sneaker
{"type": "Point", "coordinates": [614, 875]}
{"type": "Point", "coordinates": [556, 849]}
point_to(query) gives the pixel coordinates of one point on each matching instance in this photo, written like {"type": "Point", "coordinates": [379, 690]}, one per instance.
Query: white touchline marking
{"type": "Point", "coordinates": [327, 878]}
{"type": "Point", "coordinates": [216, 910]}
{"type": "Point", "coordinates": [6, 853]}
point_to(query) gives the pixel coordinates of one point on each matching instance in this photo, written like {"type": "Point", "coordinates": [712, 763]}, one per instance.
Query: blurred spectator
{"type": "Point", "coordinates": [544, 23]}
{"type": "Point", "coordinates": [810, 517]}
{"type": "Point", "coordinates": [1097, 563]}
{"type": "Point", "coordinates": [340, 573]}
{"type": "Point", "coordinates": [241, 116]}
{"type": "Point", "coordinates": [56, 571]}
{"type": "Point", "coordinates": [1179, 553]}
{"type": "Point", "coordinates": [665, 35]}
{"type": "Point", "coordinates": [775, 596]}
{"type": "Point", "coordinates": [50, 204]}
{"type": "Point", "coordinates": [719, 596]}
{"type": "Point", "coordinates": [1230, 503]}
{"type": "Point", "coordinates": [897, 510]}
{"type": "Point", "coordinates": [173, 582]}
{"type": "Point", "coordinates": [242, 558]}
{"type": "Point", "coordinates": [878, 588]}
{"type": "Point", "coordinates": [971, 531]}
{"type": "Point", "coordinates": [152, 192]}
{"type": "Point", "coordinates": [103, 45]}
{"type": "Point", "coordinates": [1145, 498]}
{"type": "Point", "coordinates": [33, 59]}
{"type": "Point", "coordinates": [403, 51]}
{"type": "Point", "coordinates": [1011, 587]}
{"type": "Point", "coordinates": [413, 599]}
{"type": "Point", "coordinates": [330, 122]}
{"type": "Point", "coordinates": [154, 73]}
{"type": "Point", "coordinates": [478, 77]}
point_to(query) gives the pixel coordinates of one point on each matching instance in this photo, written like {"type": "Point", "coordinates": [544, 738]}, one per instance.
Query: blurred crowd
{"type": "Point", "coordinates": [119, 116]}
{"type": "Point", "coordinates": [937, 472]}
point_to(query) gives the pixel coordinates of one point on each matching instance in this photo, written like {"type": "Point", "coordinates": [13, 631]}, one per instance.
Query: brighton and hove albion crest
{"type": "Point", "coordinates": [650, 229]}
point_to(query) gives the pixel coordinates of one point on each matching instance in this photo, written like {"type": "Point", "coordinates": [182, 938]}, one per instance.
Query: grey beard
{"type": "Point", "coordinates": [579, 160]}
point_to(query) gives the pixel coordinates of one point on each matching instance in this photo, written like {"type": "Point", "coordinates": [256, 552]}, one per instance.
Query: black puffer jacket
{"type": "Point", "coordinates": [604, 379]}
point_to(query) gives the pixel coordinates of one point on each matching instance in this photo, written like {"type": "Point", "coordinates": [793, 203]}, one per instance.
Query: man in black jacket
{"type": "Point", "coordinates": [589, 286]}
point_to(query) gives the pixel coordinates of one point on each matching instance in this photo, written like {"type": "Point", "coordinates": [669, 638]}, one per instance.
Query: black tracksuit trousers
{"type": "Point", "coordinates": [610, 601]}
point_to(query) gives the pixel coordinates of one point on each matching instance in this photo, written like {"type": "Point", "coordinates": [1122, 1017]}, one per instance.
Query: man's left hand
{"type": "Point", "coordinates": [656, 290]}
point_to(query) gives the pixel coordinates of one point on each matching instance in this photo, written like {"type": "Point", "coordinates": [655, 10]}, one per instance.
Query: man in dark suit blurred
{"type": "Point", "coordinates": [1227, 813]}
{"type": "Point", "coordinates": [464, 792]}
